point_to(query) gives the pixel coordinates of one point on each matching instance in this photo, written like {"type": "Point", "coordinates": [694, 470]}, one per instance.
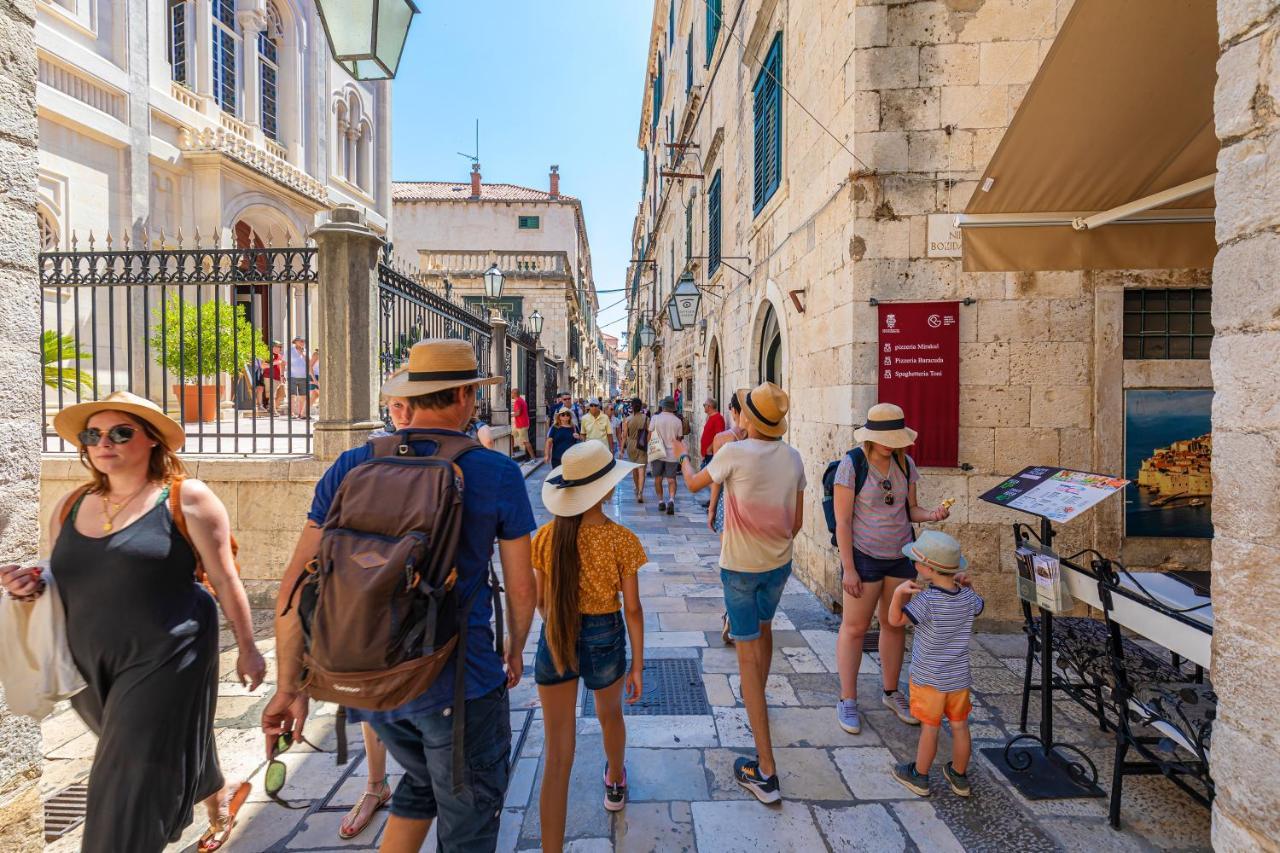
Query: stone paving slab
{"type": "Point", "coordinates": [838, 794]}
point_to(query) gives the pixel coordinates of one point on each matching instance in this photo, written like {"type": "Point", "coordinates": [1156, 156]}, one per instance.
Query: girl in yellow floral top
{"type": "Point", "coordinates": [583, 561]}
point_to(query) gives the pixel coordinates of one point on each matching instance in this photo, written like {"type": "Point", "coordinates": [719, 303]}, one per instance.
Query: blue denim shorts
{"type": "Point", "coordinates": [875, 569]}
{"type": "Point", "coordinates": [423, 745]}
{"type": "Point", "coordinates": [602, 653]}
{"type": "Point", "coordinates": [751, 598]}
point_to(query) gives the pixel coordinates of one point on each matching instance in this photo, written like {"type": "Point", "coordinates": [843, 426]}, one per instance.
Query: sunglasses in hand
{"type": "Point", "coordinates": [277, 771]}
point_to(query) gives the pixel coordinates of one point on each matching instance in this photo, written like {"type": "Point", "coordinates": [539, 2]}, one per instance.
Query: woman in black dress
{"type": "Point", "coordinates": [142, 630]}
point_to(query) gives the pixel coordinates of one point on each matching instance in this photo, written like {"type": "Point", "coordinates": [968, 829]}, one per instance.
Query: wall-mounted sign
{"type": "Point", "coordinates": [918, 364]}
{"type": "Point", "coordinates": [943, 236]}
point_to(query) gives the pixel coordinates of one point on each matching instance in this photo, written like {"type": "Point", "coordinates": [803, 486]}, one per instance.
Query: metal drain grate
{"type": "Point", "coordinates": [672, 687]}
{"type": "Point", "coordinates": [64, 811]}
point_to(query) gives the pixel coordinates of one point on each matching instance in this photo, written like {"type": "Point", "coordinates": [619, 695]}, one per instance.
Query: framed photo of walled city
{"type": "Point", "coordinates": [1168, 449]}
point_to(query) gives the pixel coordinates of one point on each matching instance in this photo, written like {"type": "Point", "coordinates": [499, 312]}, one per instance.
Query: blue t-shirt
{"type": "Point", "coordinates": [495, 505]}
{"type": "Point", "coordinates": [561, 440]}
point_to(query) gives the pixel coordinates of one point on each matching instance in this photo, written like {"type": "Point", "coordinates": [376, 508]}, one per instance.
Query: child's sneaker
{"type": "Point", "coordinates": [911, 780]}
{"type": "Point", "coordinates": [615, 794]}
{"type": "Point", "coordinates": [847, 715]}
{"type": "Point", "coordinates": [748, 774]}
{"type": "Point", "coordinates": [897, 703]}
{"type": "Point", "coordinates": [958, 781]}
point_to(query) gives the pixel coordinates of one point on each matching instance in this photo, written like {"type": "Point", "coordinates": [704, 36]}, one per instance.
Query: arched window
{"type": "Point", "coordinates": [226, 46]}
{"type": "Point", "coordinates": [716, 379]}
{"type": "Point", "coordinates": [48, 230]}
{"type": "Point", "coordinates": [340, 138]}
{"type": "Point", "coordinates": [269, 72]}
{"type": "Point", "coordinates": [364, 154]}
{"type": "Point", "coordinates": [177, 31]}
{"type": "Point", "coordinates": [770, 367]}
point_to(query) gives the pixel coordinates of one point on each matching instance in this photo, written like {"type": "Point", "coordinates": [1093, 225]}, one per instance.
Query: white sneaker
{"type": "Point", "coordinates": [897, 703]}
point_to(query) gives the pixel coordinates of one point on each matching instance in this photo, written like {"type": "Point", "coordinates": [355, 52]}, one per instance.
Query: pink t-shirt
{"type": "Point", "coordinates": [760, 479]}
{"type": "Point", "coordinates": [520, 413]}
{"type": "Point", "coordinates": [880, 530]}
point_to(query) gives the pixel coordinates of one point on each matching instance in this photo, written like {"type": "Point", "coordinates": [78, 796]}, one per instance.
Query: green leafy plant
{"type": "Point", "coordinates": [55, 351]}
{"type": "Point", "coordinates": [197, 343]}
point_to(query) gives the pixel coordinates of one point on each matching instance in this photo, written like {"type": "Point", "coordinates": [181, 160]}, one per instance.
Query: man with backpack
{"type": "Point", "coordinates": [390, 587]}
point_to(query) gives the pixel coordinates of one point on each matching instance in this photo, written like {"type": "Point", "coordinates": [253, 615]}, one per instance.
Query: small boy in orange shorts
{"type": "Point", "coordinates": [942, 614]}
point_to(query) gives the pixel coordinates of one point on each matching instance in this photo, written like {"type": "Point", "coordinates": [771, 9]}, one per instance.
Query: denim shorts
{"type": "Point", "coordinates": [751, 598]}
{"type": "Point", "coordinates": [423, 745]}
{"type": "Point", "coordinates": [602, 653]}
{"type": "Point", "coordinates": [875, 569]}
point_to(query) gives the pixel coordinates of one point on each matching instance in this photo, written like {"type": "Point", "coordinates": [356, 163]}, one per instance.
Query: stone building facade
{"type": "Point", "coordinates": [451, 233]}
{"type": "Point", "coordinates": [21, 819]}
{"type": "Point", "coordinates": [886, 115]}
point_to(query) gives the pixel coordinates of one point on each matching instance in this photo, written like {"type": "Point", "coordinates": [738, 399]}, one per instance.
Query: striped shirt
{"type": "Point", "coordinates": [943, 623]}
{"type": "Point", "coordinates": [879, 530]}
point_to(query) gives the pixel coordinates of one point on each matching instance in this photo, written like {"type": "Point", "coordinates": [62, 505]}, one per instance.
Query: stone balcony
{"type": "Point", "coordinates": [468, 262]}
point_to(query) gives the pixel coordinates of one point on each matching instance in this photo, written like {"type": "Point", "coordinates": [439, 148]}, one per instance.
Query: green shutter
{"type": "Point", "coordinates": [713, 225]}
{"type": "Point", "coordinates": [713, 27]}
{"type": "Point", "coordinates": [767, 115]}
{"type": "Point", "coordinates": [530, 222]}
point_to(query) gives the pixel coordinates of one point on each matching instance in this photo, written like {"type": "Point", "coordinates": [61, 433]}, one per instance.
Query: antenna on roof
{"type": "Point", "coordinates": [474, 158]}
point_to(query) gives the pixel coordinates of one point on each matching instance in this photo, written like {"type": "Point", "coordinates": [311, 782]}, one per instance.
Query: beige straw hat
{"type": "Point", "coordinates": [937, 550]}
{"type": "Point", "coordinates": [71, 421]}
{"type": "Point", "coordinates": [588, 473]}
{"type": "Point", "coordinates": [437, 365]}
{"type": "Point", "coordinates": [886, 424]}
{"type": "Point", "coordinates": [766, 406]}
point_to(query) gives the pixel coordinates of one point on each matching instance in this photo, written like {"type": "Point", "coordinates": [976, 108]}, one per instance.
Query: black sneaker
{"type": "Point", "coordinates": [671, 508]}
{"type": "Point", "coordinates": [911, 780]}
{"type": "Point", "coordinates": [662, 506]}
{"type": "Point", "coordinates": [958, 781]}
{"type": "Point", "coordinates": [615, 796]}
{"type": "Point", "coordinates": [748, 774]}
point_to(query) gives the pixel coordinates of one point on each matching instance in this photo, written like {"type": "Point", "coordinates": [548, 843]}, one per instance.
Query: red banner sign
{"type": "Point", "coordinates": [919, 368]}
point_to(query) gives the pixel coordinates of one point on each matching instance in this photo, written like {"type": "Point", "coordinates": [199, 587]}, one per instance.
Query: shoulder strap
{"type": "Point", "coordinates": [860, 469]}
{"type": "Point", "coordinates": [180, 522]}
{"type": "Point", "coordinates": [901, 459]}
{"type": "Point", "coordinates": [73, 501]}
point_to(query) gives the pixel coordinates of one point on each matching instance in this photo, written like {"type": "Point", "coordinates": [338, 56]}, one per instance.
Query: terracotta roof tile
{"type": "Point", "coordinates": [449, 191]}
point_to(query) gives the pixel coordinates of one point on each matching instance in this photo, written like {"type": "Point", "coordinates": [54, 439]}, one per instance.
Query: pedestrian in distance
{"type": "Point", "coordinates": [453, 738]}
{"type": "Point", "coordinates": [136, 552]}
{"type": "Point", "coordinates": [560, 438]}
{"type": "Point", "coordinates": [583, 561]}
{"type": "Point", "coordinates": [669, 427]}
{"type": "Point", "coordinates": [713, 426]}
{"type": "Point", "coordinates": [764, 482]}
{"type": "Point", "coordinates": [875, 505]}
{"type": "Point", "coordinates": [299, 378]}
{"type": "Point", "coordinates": [942, 615]}
{"type": "Point", "coordinates": [635, 440]}
{"type": "Point", "coordinates": [715, 509]}
{"type": "Point", "coordinates": [596, 426]}
{"type": "Point", "coordinates": [520, 423]}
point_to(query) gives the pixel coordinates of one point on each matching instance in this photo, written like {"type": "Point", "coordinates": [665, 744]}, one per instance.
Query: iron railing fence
{"type": "Point", "coordinates": [190, 328]}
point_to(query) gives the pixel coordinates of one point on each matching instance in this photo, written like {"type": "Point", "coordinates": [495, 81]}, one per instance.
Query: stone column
{"type": "Point", "coordinates": [21, 813]}
{"type": "Point", "coordinates": [202, 75]}
{"type": "Point", "coordinates": [538, 419]}
{"type": "Point", "coordinates": [1246, 432]}
{"type": "Point", "coordinates": [347, 330]}
{"type": "Point", "coordinates": [251, 23]}
{"type": "Point", "coordinates": [499, 395]}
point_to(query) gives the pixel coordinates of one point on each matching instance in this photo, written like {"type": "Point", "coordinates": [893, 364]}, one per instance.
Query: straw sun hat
{"type": "Point", "coordinates": [437, 365]}
{"type": "Point", "coordinates": [886, 424]}
{"type": "Point", "coordinates": [937, 550]}
{"type": "Point", "coordinates": [588, 473]}
{"type": "Point", "coordinates": [71, 421]}
{"type": "Point", "coordinates": [765, 406]}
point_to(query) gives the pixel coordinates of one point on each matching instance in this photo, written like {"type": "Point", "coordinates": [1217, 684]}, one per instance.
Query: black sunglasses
{"type": "Point", "coordinates": [888, 496]}
{"type": "Point", "coordinates": [119, 434]}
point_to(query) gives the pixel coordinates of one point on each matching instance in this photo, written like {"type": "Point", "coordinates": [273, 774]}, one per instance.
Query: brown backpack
{"type": "Point", "coordinates": [379, 608]}
{"type": "Point", "coordinates": [179, 521]}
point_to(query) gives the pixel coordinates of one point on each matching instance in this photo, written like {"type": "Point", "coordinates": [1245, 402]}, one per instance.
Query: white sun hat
{"type": "Point", "coordinates": [588, 473]}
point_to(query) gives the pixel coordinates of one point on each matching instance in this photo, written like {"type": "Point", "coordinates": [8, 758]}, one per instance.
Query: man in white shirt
{"type": "Point", "coordinates": [763, 480]}
{"type": "Point", "coordinates": [667, 426]}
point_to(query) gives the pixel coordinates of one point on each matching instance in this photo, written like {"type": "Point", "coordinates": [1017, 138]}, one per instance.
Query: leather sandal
{"type": "Point", "coordinates": [220, 827]}
{"type": "Point", "coordinates": [354, 815]}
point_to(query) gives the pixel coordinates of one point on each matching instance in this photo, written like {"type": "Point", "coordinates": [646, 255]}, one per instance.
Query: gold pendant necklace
{"type": "Point", "coordinates": [109, 517]}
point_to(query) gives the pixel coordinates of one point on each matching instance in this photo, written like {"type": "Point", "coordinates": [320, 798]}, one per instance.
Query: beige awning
{"type": "Point", "coordinates": [1109, 162]}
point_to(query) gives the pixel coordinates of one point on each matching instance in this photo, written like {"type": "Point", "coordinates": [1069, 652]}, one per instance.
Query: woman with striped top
{"type": "Point", "coordinates": [873, 523]}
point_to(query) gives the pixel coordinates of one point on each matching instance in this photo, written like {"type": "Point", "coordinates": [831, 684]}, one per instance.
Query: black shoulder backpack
{"type": "Point", "coordinates": [860, 471]}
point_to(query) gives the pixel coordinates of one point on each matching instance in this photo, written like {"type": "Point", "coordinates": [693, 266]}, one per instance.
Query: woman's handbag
{"type": "Point", "coordinates": [37, 669]}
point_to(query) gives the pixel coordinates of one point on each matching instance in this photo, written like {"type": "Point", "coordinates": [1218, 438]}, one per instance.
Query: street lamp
{"type": "Point", "coordinates": [367, 37]}
{"type": "Point", "coordinates": [685, 299]}
{"type": "Point", "coordinates": [493, 279]}
{"type": "Point", "coordinates": [646, 334]}
{"type": "Point", "coordinates": [673, 315]}
{"type": "Point", "coordinates": [535, 323]}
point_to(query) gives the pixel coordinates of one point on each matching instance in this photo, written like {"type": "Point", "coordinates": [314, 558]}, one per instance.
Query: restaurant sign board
{"type": "Point", "coordinates": [918, 364]}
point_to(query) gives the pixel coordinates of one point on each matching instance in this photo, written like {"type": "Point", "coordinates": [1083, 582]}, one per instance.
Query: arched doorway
{"type": "Point", "coordinates": [769, 357]}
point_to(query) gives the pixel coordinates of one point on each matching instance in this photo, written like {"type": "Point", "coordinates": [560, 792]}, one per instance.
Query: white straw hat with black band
{"type": "Point", "coordinates": [587, 473]}
{"type": "Point", "coordinates": [886, 424]}
{"type": "Point", "coordinates": [437, 365]}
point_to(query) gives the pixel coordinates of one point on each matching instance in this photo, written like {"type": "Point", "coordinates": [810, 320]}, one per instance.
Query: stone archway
{"type": "Point", "coordinates": [768, 358]}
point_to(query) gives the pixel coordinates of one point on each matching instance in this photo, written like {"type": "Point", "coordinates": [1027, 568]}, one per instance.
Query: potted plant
{"type": "Point", "coordinates": [197, 343]}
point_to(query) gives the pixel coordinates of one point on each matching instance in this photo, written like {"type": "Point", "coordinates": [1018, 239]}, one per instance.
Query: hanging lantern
{"type": "Point", "coordinates": [686, 299]}
{"type": "Point", "coordinates": [367, 37]}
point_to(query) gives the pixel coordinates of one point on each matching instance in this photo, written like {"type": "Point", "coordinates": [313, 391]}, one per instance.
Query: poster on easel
{"type": "Point", "coordinates": [1057, 494]}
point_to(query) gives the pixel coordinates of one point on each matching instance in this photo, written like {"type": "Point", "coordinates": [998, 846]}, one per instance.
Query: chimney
{"type": "Point", "coordinates": [555, 182]}
{"type": "Point", "coordinates": [475, 180]}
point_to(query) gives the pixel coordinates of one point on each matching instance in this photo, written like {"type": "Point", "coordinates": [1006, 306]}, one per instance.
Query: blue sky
{"type": "Point", "coordinates": [552, 81]}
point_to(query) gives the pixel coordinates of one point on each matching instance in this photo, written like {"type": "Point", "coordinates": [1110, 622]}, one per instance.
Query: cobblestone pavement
{"type": "Point", "coordinates": [838, 794]}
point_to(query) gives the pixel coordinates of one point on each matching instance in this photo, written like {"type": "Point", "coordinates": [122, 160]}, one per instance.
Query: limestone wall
{"type": "Point", "coordinates": [1246, 429]}
{"type": "Point", "coordinates": [21, 815]}
{"type": "Point", "coordinates": [267, 499]}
